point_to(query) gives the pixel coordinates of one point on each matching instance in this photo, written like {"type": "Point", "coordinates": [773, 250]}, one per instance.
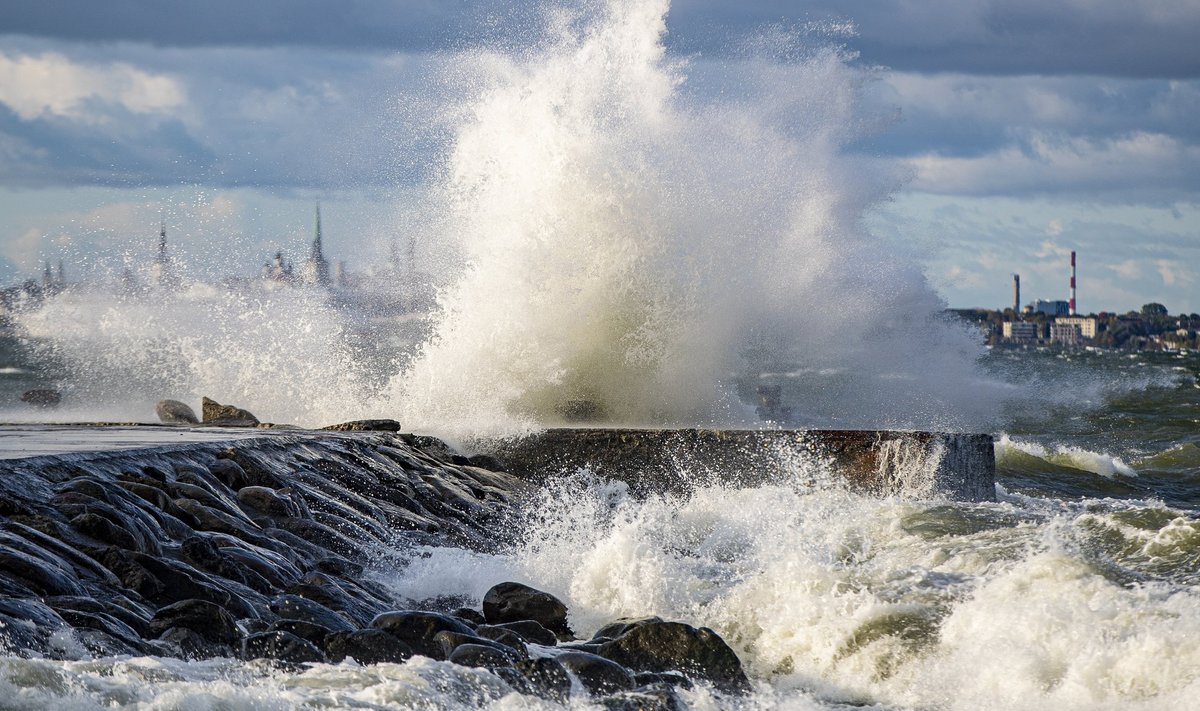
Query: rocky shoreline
{"type": "Point", "coordinates": [261, 549]}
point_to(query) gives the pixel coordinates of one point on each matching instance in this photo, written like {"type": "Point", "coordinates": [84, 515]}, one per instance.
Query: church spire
{"type": "Point", "coordinates": [316, 255]}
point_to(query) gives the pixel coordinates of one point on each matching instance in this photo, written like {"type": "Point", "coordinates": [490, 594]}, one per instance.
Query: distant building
{"type": "Point", "coordinates": [162, 271]}
{"type": "Point", "coordinates": [1050, 308]}
{"type": "Point", "coordinates": [1087, 326]}
{"type": "Point", "coordinates": [315, 271]}
{"type": "Point", "coordinates": [1020, 331]}
{"type": "Point", "coordinates": [1066, 334]}
{"type": "Point", "coordinates": [278, 270]}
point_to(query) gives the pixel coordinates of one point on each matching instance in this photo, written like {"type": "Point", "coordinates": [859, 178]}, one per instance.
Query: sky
{"type": "Point", "coordinates": [1028, 129]}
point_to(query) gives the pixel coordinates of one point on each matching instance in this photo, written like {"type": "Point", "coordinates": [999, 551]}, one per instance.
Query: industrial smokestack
{"type": "Point", "coordinates": [1017, 294]}
{"type": "Point", "coordinates": [1071, 302]}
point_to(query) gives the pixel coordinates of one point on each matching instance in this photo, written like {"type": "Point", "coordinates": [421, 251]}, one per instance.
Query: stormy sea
{"type": "Point", "coordinates": [622, 249]}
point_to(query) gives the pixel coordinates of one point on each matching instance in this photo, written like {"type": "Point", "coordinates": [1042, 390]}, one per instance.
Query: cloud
{"type": "Point", "coordinates": [1152, 38]}
{"type": "Point", "coordinates": [1136, 167]}
{"type": "Point", "coordinates": [50, 84]}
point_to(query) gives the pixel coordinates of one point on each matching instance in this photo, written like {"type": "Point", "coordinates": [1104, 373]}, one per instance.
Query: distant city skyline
{"type": "Point", "coordinates": [1026, 130]}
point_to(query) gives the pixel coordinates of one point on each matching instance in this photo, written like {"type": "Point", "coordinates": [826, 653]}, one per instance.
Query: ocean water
{"type": "Point", "coordinates": [647, 240]}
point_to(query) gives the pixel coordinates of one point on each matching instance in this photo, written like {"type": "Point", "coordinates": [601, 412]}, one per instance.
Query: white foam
{"type": "Point", "coordinates": [1066, 455]}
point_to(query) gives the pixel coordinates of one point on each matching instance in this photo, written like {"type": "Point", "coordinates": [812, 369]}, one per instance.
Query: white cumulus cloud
{"type": "Point", "coordinates": [51, 84]}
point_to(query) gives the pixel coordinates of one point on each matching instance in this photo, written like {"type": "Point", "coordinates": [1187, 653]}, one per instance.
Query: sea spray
{"type": "Point", "coordinates": [627, 240]}
{"type": "Point", "coordinates": [284, 355]}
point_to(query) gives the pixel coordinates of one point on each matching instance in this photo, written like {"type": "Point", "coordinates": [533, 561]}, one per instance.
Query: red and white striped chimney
{"type": "Point", "coordinates": [1071, 305]}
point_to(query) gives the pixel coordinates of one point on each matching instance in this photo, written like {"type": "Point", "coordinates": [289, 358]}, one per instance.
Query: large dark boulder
{"type": "Point", "coordinates": [294, 607]}
{"type": "Point", "coordinates": [174, 412]}
{"type": "Point", "coordinates": [674, 646]}
{"type": "Point", "coordinates": [366, 647]}
{"type": "Point", "coordinates": [418, 629]}
{"type": "Point", "coordinates": [598, 675]}
{"type": "Point", "coordinates": [528, 630]}
{"type": "Point", "coordinates": [513, 602]}
{"type": "Point", "coordinates": [206, 619]}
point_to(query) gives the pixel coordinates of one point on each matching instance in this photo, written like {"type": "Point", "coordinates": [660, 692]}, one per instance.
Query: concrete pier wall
{"type": "Point", "coordinates": [879, 462]}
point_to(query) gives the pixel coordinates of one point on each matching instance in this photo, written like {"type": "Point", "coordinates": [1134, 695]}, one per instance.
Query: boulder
{"type": "Point", "coordinates": [528, 630]}
{"type": "Point", "coordinates": [451, 641]}
{"type": "Point", "coordinates": [418, 629]}
{"type": "Point", "coordinates": [283, 646]}
{"type": "Point", "coordinates": [366, 647]}
{"type": "Point", "coordinates": [206, 619]}
{"type": "Point", "coordinates": [598, 675]}
{"type": "Point", "coordinates": [174, 412]}
{"type": "Point", "coordinates": [547, 678]}
{"type": "Point", "coordinates": [218, 415]}
{"type": "Point", "coordinates": [674, 646]}
{"type": "Point", "coordinates": [478, 655]}
{"type": "Point", "coordinates": [513, 602]}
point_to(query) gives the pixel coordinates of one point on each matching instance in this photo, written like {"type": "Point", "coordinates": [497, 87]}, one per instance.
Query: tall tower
{"type": "Point", "coordinates": [1071, 301]}
{"type": "Point", "coordinates": [316, 269]}
{"type": "Point", "coordinates": [1017, 294]}
{"type": "Point", "coordinates": [162, 273]}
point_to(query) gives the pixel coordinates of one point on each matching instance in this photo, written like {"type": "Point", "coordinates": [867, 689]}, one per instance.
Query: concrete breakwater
{"type": "Point", "coordinates": [278, 547]}
{"type": "Point", "coordinates": [878, 462]}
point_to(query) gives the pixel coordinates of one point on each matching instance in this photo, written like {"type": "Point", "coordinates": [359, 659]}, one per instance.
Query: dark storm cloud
{"type": "Point", "coordinates": [1150, 38]}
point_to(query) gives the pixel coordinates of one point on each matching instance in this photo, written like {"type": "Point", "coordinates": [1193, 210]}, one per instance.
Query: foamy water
{"type": "Point", "coordinates": [829, 598]}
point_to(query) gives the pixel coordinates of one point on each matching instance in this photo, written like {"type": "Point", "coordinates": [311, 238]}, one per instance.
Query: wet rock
{"type": "Point", "coordinates": [450, 641]}
{"type": "Point", "coordinates": [418, 629]}
{"type": "Point", "coordinates": [674, 646]}
{"type": "Point", "coordinates": [307, 631]}
{"type": "Point", "coordinates": [229, 473]}
{"type": "Point", "coordinates": [598, 675]}
{"type": "Point", "coordinates": [529, 630]}
{"type": "Point", "coordinates": [503, 636]}
{"type": "Point", "coordinates": [294, 607]}
{"type": "Point", "coordinates": [478, 655]}
{"type": "Point", "coordinates": [671, 679]}
{"type": "Point", "coordinates": [547, 678]}
{"type": "Point", "coordinates": [102, 622]}
{"type": "Point", "coordinates": [267, 501]}
{"type": "Point", "coordinates": [365, 426]}
{"type": "Point", "coordinates": [174, 412]}
{"type": "Point", "coordinates": [39, 574]}
{"type": "Point", "coordinates": [103, 530]}
{"type": "Point", "coordinates": [366, 647]}
{"type": "Point", "coordinates": [513, 602]}
{"type": "Point", "coordinates": [189, 644]}
{"type": "Point", "coordinates": [282, 646]}
{"type": "Point", "coordinates": [644, 700]}
{"type": "Point", "coordinates": [204, 618]}
{"type": "Point", "coordinates": [619, 627]}
{"type": "Point", "coordinates": [99, 643]}
{"type": "Point", "coordinates": [218, 415]}
{"type": "Point", "coordinates": [26, 625]}
{"type": "Point", "coordinates": [470, 616]}
{"type": "Point", "coordinates": [41, 397]}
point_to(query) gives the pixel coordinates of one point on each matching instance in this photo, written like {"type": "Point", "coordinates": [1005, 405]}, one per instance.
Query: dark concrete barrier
{"type": "Point", "coordinates": [878, 462]}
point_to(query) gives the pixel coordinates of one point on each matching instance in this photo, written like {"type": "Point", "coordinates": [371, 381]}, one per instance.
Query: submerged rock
{"type": "Point", "coordinates": [175, 412]}
{"type": "Point", "coordinates": [218, 415]}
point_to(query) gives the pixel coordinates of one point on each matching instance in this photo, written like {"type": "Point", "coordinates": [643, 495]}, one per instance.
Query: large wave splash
{"type": "Point", "coordinates": [629, 239]}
